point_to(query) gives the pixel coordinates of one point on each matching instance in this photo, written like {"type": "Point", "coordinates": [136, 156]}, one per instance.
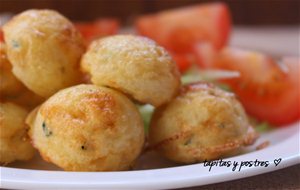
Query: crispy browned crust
{"type": "Point", "coordinates": [202, 122]}
{"type": "Point", "coordinates": [88, 128]}
{"type": "Point", "coordinates": [247, 140]}
{"type": "Point", "coordinates": [134, 65]}
{"type": "Point", "coordinates": [44, 49]}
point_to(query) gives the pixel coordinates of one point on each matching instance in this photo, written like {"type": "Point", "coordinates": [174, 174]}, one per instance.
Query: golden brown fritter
{"type": "Point", "coordinates": [135, 65]}
{"type": "Point", "coordinates": [44, 49]}
{"type": "Point", "coordinates": [11, 89]}
{"type": "Point", "coordinates": [202, 123]}
{"type": "Point", "coordinates": [26, 98]}
{"type": "Point", "coordinates": [87, 128]}
{"type": "Point", "coordinates": [9, 84]}
{"type": "Point", "coordinates": [14, 142]}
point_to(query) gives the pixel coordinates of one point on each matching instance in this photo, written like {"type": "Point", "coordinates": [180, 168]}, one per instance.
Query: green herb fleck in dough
{"type": "Point", "coordinates": [15, 44]}
{"type": "Point", "coordinates": [46, 130]}
{"type": "Point", "coordinates": [187, 142]}
{"type": "Point", "coordinates": [222, 125]}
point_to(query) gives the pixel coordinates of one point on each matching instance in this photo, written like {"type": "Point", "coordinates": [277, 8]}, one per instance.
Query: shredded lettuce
{"type": "Point", "coordinates": [263, 127]}
{"type": "Point", "coordinates": [223, 86]}
{"type": "Point", "coordinates": [191, 78]}
{"type": "Point", "coordinates": [146, 112]}
{"type": "Point", "coordinates": [197, 75]}
{"type": "Point", "coordinates": [260, 126]}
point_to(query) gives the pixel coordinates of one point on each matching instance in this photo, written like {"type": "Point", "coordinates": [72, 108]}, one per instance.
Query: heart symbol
{"type": "Point", "coordinates": [277, 161]}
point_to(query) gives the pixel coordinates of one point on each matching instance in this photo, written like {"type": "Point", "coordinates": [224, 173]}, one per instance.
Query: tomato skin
{"type": "Point", "coordinates": [183, 61]}
{"type": "Point", "coordinates": [98, 28]}
{"type": "Point", "coordinates": [267, 91]}
{"type": "Point", "coordinates": [205, 55]}
{"type": "Point", "coordinates": [1, 35]}
{"type": "Point", "coordinates": [179, 29]}
{"type": "Point", "coordinates": [224, 25]}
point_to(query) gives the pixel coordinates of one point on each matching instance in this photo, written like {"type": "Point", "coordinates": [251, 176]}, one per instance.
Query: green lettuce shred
{"type": "Point", "coordinates": [146, 112]}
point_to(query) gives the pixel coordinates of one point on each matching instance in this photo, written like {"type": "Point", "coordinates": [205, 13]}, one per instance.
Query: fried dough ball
{"type": "Point", "coordinates": [9, 84]}
{"type": "Point", "coordinates": [135, 65]}
{"type": "Point", "coordinates": [14, 142]}
{"type": "Point", "coordinates": [26, 99]}
{"type": "Point", "coordinates": [88, 128]}
{"type": "Point", "coordinates": [44, 49]}
{"type": "Point", "coordinates": [202, 123]}
{"type": "Point", "coordinates": [11, 89]}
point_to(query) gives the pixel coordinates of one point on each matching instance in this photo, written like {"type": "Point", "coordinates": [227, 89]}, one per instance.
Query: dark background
{"type": "Point", "coordinates": [244, 12]}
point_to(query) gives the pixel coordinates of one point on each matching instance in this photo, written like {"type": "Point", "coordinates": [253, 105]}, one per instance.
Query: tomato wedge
{"type": "Point", "coordinates": [205, 55]}
{"type": "Point", "coordinates": [183, 61]}
{"type": "Point", "coordinates": [267, 89]}
{"type": "Point", "coordinates": [179, 29]}
{"type": "Point", "coordinates": [1, 35]}
{"type": "Point", "coordinates": [98, 28]}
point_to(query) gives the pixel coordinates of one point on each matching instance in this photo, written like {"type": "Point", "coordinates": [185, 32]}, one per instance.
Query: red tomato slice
{"type": "Point", "coordinates": [205, 55]}
{"type": "Point", "coordinates": [183, 61]}
{"type": "Point", "coordinates": [268, 90]}
{"type": "Point", "coordinates": [1, 35]}
{"type": "Point", "coordinates": [179, 29]}
{"type": "Point", "coordinates": [98, 28]}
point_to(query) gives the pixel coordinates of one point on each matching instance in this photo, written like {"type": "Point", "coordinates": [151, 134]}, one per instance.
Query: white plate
{"type": "Point", "coordinates": [284, 144]}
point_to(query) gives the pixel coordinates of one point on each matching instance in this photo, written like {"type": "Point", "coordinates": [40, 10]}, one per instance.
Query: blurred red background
{"type": "Point", "coordinates": [244, 12]}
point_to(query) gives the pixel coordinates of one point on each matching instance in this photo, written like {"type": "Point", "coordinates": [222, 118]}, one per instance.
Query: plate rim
{"type": "Point", "coordinates": [163, 181]}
